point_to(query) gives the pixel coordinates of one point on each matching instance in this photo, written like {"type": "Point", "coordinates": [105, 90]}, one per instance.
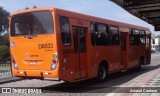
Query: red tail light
{"type": "Point", "coordinates": [54, 61]}
{"type": "Point", "coordinates": [12, 59]}
{"type": "Point", "coordinates": [14, 62]}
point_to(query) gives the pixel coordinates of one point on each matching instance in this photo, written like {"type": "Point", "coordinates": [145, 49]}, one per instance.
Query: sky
{"type": "Point", "coordinates": [99, 8]}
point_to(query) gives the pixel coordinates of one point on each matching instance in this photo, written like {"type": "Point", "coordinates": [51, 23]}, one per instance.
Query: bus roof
{"type": "Point", "coordinates": [31, 10]}
{"type": "Point", "coordinates": [83, 17]}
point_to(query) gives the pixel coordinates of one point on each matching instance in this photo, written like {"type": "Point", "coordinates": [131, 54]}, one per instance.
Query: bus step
{"type": "Point", "coordinates": [123, 70]}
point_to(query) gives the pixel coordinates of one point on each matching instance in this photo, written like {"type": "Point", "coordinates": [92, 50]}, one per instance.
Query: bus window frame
{"type": "Point", "coordinates": [70, 44]}
{"type": "Point", "coordinates": [142, 36]}
{"type": "Point", "coordinates": [96, 28]}
{"type": "Point", "coordinates": [131, 35]}
{"type": "Point", "coordinates": [111, 35]}
{"type": "Point", "coordinates": [53, 22]}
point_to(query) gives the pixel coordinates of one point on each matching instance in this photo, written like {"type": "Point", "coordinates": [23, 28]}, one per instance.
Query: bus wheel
{"type": "Point", "coordinates": [102, 73]}
{"type": "Point", "coordinates": [141, 64]}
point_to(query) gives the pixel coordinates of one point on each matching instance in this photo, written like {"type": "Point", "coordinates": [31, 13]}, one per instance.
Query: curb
{"type": "Point", "coordinates": [8, 80]}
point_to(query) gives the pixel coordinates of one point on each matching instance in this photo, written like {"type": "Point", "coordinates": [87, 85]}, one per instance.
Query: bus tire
{"type": "Point", "coordinates": [102, 73]}
{"type": "Point", "coordinates": [141, 64]}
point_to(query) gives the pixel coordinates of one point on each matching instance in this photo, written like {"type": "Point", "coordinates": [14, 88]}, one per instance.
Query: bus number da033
{"type": "Point", "coordinates": [46, 45]}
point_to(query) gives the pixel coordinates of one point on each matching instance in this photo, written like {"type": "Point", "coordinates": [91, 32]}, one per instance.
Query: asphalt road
{"type": "Point", "coordinates": [116, 81]}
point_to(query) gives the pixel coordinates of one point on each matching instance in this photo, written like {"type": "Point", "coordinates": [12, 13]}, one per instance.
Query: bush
{"type": "Point", "coordinates": [4, 40]}
{"type": "Point", "coordinates": [4, 53]}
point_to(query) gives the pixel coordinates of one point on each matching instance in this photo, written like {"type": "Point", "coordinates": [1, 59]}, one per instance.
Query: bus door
{"type": "Point", "coordinates": [80, 64]}
{"type": "Point", "coordinates": [123, 50]}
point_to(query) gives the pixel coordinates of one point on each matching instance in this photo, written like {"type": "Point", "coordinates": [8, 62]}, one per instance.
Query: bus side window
{"type": "Point", "coordinates": [114, 35]}
{"type": "Point", "coordinates": [92, 27]}
{"type": "Point", "coordinates": [134, 37]}
{"type": "Point", "coordinates": [147, 42]}
{"type": "Point", "coordinates": [65, 30]}
{"type": "Point", "coordinates": [142, 37]}
{"type": "Point", "coordinates": [102, 35]}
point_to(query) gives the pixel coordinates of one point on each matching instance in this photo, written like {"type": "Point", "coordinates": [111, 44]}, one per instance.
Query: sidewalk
{"type": "Point", "coordinates": [11, 79]}
{"type": "Point", "coordinates": [150, 81]}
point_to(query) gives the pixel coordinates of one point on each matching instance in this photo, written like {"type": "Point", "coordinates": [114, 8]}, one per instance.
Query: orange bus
{"type": "Point", "coordinates": [63, 45]}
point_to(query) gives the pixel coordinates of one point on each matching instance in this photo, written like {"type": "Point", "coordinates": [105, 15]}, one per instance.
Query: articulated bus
{"type": "Point", "coordinates": [64, 45]}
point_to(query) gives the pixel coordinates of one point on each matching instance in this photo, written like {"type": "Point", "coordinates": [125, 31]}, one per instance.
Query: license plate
{"type": "Point", "coordinates": [33, 62]}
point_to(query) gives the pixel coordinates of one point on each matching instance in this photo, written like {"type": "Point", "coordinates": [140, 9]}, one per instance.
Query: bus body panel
{"type": "Point", "coordinates": [34, 50]}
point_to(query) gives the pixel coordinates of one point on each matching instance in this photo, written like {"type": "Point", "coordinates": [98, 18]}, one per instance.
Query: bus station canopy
{"type": "Point", "coordinates": [147, 10]}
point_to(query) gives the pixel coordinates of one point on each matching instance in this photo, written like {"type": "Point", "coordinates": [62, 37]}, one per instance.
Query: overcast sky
{"type": "Point", "coordinates": [99, 8]}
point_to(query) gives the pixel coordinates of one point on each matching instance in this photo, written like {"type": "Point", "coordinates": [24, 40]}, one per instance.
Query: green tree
{"type": "Point", "coordinates": [4, 53]}
{"type": "Point", "coordinates": [4, 40]}
{"type": "Point", "coordinates": [27, 7]}
{"type": "Point", "coordinates": [34, 6]}
{"type": "Point", "coordinates": [4, 19]}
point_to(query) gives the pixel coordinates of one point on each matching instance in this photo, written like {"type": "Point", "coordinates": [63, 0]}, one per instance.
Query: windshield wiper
{"type": "Point", "coordinates": [31, 35]}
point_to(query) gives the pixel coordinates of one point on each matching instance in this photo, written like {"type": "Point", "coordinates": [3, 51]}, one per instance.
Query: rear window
{"type": "Point", "coordinates": [32, 23]}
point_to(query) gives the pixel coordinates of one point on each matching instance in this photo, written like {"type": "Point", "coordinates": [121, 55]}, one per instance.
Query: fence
{"type": "Point", "coordinates": [5, 70]}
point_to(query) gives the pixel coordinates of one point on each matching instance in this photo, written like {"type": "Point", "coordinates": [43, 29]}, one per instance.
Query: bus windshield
{"type": "Point", "coordinates": [32, 23]}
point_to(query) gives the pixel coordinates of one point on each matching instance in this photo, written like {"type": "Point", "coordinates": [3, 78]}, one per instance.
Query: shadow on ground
{"type": "Point", "coordinates": [92, 86]}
